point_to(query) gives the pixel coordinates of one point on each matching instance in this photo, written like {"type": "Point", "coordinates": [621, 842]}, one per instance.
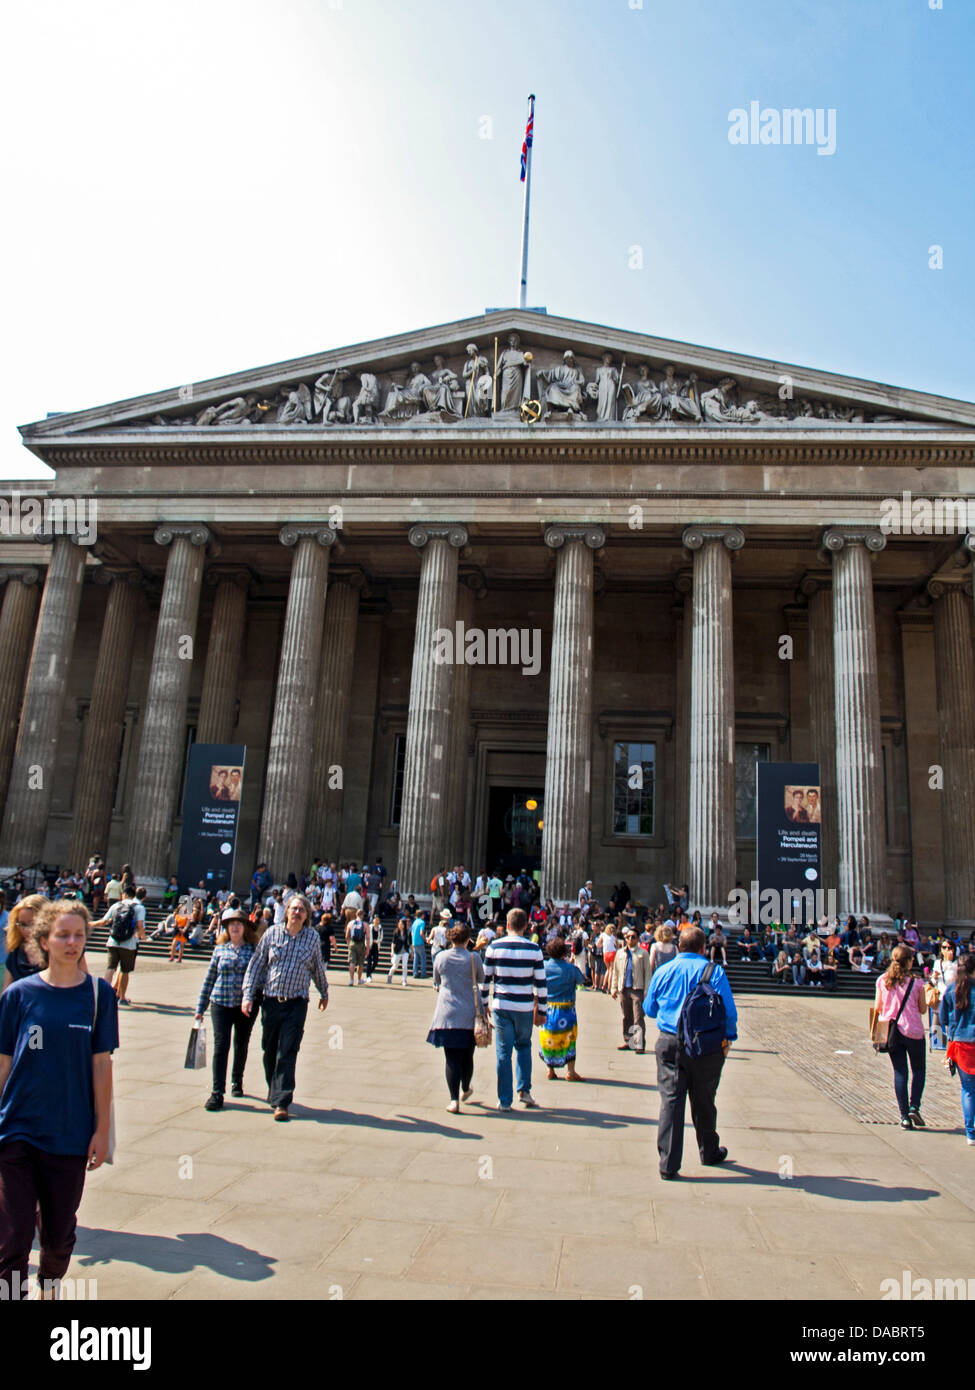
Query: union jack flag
{"type": "Point", "coordinates": [529, 132]}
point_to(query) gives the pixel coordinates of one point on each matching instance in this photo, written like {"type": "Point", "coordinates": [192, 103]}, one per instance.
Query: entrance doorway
{"type": "Point", "coordinates": [514, 831]}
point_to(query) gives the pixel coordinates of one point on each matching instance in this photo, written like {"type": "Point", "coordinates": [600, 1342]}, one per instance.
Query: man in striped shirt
{"type": "Point", "coordinates": [517, 967]}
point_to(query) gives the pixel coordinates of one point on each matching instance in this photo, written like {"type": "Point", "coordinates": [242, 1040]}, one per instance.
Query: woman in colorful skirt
{"type": "Point", "coordinates": [557, 1039]}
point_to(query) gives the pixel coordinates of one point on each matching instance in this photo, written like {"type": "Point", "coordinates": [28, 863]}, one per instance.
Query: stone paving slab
{"type": "Point", "coordinates": [374, 1191]}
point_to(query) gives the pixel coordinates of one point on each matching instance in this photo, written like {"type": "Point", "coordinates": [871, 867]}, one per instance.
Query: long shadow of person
{"type": "Point", "coordinates": [180, 1254]}
{"type": "Point", "coordinates": [846, 1189]}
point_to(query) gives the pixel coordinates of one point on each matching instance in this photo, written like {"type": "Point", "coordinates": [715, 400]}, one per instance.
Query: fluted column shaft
{"type": "Point", "coordinates": [458, 763]}
{"type": "Point", "coordinates": [17, 620]}
{"type": "Point", "coordinates": [822, 723]}
{"type": "Point", "coordinates": [332, 721]}
{"type": "Point", "coordinates": [225, 652]}
{"type": "Point", "coordinates": [568, 760]}
{"type": "Point", "coordinates": [954, 664]}
{"type": "Point", "coordinates": [711, 836]}
{"type": "Point", "coordinates": [859, 776]}
{"type": "Point", "coordinates": [102, 739]}
{"type": "Point", "coordinates": [32, 775]}
{"type": "Point", "coordinates": [422, 834]}
{"type": "Point", "coordinates": [682, 739]}
{"type": "Point", "coordinates": [163, 742]}
{"type": "Point", "coordinates": [287, 783]}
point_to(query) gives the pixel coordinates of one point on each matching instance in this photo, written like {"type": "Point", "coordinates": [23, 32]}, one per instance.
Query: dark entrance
{"type": "Point", "coordinates": [514, 838]}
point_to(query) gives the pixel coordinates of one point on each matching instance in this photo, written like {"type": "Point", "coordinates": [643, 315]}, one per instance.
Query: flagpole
{"type": "Point", "coordinates": [523, 300]}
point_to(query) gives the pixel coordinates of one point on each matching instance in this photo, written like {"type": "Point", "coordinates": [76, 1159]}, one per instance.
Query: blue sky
{"type": "Point", "coordinates": [205, 187]}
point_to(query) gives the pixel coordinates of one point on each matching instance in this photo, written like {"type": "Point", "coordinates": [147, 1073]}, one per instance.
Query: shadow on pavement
{"type": "Point", "coordinates": [402, 1124]}
{"type": "Point", "coordinates": [848, 1189]}
{"type": "Point", "coordinates": [180, 1254]}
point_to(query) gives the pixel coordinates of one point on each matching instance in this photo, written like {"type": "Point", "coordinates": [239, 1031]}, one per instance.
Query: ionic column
{"type": "Point", "coordinates": [17, 619]}
{"type": "Point", "coordinates": [568, 760]}
{"type": "Point", "coordinates": [822, 719]}
{"type": "Point", "coordinates": [332, 720]}
{"type": "Point", "coordinates": [458, 762]}
{"type": "Point", "coordinates": [859, 776]}
{"type": "Point", "coordinates": [423, 825]}
{"type": "Point", "coordinates": [225, 650]}
{"type": "Point", "coordinates": [32, 774]}
{"type": "Point", "coordinates": [954, 664]}
{"type": "Point", "coordinates": [684, 584]}
{"type": "Point", "coordinates": [163, 742]}
{"type": "Point", "coordinates": [287, 784]}
{"type": "Point", "coordinates": [711, 831]}
{"type": "Point", "coordinates": [106, 717]}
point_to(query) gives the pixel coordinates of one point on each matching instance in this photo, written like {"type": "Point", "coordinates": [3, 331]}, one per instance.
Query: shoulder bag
{"type": "Point", "coordinates": [482, 1024]}
{"type": "Point", "coordinates": [882, 1033]}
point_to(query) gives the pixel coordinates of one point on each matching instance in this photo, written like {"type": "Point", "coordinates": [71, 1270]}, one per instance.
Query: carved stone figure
{"type": "Point", "coordinates": [564, 387]}
{"type": "Point", "coordinates": [645, 401]}
{"type": "Point", "coordinates": [329, 401]}
{"type": "Point", "coordinates": [719, 407]}
{"type": "Point", "coordinates": [295, 408]}
{"type": "Point", "coordinates": [604, 389]}
{"type": "Point", "coordinates": [678, 397]}
{"type": "Point", "coordinates": [242, 410]}
{"type": "Point", "coordinates": [478, 385]}
{"type": "Point", "coordinates": [849, 414]}
{"type": "Point", "coordinates": [511, 373]}
{"type": "Point", "coordinates": [444, 393]}
{"type": "Point", "coordinates": [403, 401]}
{"type": "Point", "coordinates": [364, 405]}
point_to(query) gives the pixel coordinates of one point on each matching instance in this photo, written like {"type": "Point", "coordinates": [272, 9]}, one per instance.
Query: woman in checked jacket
{"type": "Point", "coordinates": [223, 991]}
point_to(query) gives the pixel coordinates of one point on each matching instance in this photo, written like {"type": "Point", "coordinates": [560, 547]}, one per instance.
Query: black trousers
{"type": "Point", "coordinates": [284, 1027]}
{"type": "Point", "coordinates": [227, 1023]}
{"type": "Point", "coordinates": [459, 1066]}
{"type": "Point", "coordinates": [678, 1077]}
{"type": "Point", "coordinates": [906, 1049]}
{"type": "Point", "coordinates": [32, 1179]}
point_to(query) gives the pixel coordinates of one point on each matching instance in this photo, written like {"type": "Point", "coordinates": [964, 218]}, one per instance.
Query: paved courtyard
{"type": "Point", "coordinates": [374, 1191]}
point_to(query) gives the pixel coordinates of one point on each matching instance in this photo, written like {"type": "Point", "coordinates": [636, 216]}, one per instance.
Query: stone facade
{"type": "Point", "coordinates": [693, 541]}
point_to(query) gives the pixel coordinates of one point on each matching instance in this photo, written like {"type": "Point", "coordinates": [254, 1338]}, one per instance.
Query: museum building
{"type": "Point", "coordinates": [513, 591]}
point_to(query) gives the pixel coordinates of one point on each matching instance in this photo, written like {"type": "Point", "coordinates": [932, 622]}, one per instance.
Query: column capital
{"type": "Point", "coordinates": [557, 535]}
{"type": "Point", "coordinates": [197, 533]}
{"type": "Point", "coordinates": [836, 538]}
{"type": "Point", "coordinates": [937, 588]}
{"type": "Point", "coordinates": [684, 581]}
{"type": "Point", "coordinates": [453, 532]}
{"type": "Point", "coordinates": [694, 537]}
{"type": "Point", "coordinates": [811, 583]}
{"type": "Point", "coordinates": [105, 575]}
{"type": "Point", "coordinates": [291, 534]}
{"type": "Point", "coordinates": [352, 576]}
{"type": "Point", "coordinates": [238, 575]}
{"type": "Point", "coordinates": [28, 576]}
{"type": "Point", "coordinates": [969, 542]}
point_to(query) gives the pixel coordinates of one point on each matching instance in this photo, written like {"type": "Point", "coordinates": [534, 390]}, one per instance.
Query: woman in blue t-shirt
{"type": "Point", "coordinates": [23, 958]}
{"type": "Point", "coordinates": [55, 1099]}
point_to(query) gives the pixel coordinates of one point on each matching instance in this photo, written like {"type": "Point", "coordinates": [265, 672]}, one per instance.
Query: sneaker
{"type": "Point", "coordinates": [505, 1108]}
{"type": "Point", "coordinates": [907, 1123]}
{"type": "Point", "coordinates": [528, 1100]}
{"type": "Point", "coordinates": [237, 1090]}
{"type": "Point", "coordinates": [466, 1095]}
{"type": "Point", "coordinates": [915, 1115]}
{"type": "Point", "coordinates": [454, 1107]}
{"type": "Point", "coordinates": [351, 983]}
{"type": "Point", "coordinates": [971, 1143]}
{"type": "Point", "coordinates": [213, 1102]}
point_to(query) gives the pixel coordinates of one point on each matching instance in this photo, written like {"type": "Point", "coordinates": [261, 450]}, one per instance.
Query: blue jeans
{"type": "Point", "coordinates": [513, 1031]}
{"type": "Point", "coordinates": [968, 1101]}
{"type": "Point", "coordinates": [419, 961]}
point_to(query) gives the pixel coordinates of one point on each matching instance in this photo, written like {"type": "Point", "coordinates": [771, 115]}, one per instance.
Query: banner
{"type": "Point", "coordinates": [211, 808]}
{"type": "Point", "coordinates": [788, 847]}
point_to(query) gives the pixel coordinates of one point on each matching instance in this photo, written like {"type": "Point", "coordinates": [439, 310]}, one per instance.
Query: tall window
{"type": "Point", "coordinates": [399, 768]}
{"type": "Point", "coordinates": [746, 808]}
{"type": "Point", "coordinates": [633, 776]}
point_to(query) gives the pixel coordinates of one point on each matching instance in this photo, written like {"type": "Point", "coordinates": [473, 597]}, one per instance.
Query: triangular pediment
{"type": "Point", "coordinates": [561, 372]}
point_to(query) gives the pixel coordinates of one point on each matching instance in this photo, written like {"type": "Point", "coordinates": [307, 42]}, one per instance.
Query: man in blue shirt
{"type": "Point", "coordinates": [677, 1073]}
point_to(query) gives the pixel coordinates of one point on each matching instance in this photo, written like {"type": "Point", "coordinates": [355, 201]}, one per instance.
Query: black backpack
{"type": "Point", "coordinates": [124, 922]}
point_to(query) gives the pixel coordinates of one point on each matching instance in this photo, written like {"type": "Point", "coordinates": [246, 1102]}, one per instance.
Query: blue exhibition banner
{"type": "Point", "coordinates": [211, 811]}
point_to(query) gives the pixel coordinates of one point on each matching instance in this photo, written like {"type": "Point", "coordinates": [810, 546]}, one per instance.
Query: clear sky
{"type": "Point", "coordinates": [203, 186]}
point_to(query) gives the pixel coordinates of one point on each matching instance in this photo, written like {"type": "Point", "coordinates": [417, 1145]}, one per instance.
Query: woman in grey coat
{"type": "Point", "coordinates": [455, 972]}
